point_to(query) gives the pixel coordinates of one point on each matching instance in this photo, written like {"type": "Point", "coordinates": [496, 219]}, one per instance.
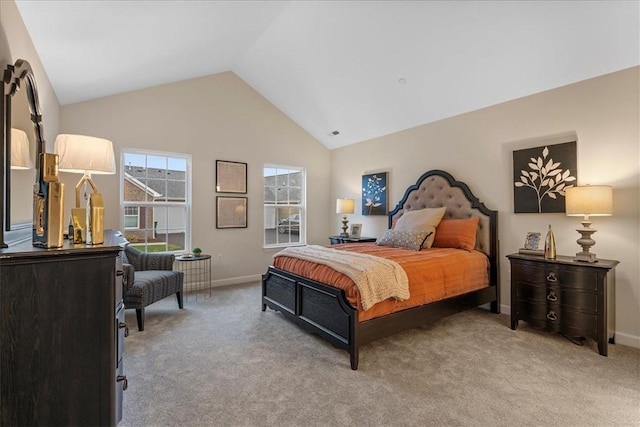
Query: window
{"type": "Point", "coordinates": [131, 217]}
{"type": "Point", "coordinates": [284, 206]}
{"type": "Point", "coordinates": [155, 196]}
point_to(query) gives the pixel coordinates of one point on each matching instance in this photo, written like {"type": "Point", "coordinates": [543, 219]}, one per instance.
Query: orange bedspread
{"type": "Point", "coordinates": [434, 274]}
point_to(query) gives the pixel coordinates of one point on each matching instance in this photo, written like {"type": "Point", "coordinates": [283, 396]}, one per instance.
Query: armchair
{"type": "Point", "coordinates": [149, 277]}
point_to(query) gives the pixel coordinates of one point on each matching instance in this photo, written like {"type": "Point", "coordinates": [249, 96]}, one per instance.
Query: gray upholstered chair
{"type": "Point", "coordinates": [149, 277]}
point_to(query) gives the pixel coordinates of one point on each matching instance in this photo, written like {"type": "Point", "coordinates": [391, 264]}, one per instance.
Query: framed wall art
{"type": "Point", "coordinates": [231, 177]}
{"type": "Point", "coordinates": [541, 175]}
{"type": "Point", "coordinates": [374, 194]}
{"type": "Point", "coordinates": [231, 212]}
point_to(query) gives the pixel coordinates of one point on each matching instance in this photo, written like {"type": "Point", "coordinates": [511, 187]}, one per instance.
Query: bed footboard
{"type": "Point", "coordinates": [317, 308]}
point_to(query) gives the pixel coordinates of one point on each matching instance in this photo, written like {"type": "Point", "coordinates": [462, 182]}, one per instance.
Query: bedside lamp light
{"type": "Point", "coordinates": [345, 207]}
{"type": "Point", "coordinates": [86, 155]}
{"type": "Point", "coordinates": [20, 157]}
{"type": "Point", "coordinates": [586, 201]}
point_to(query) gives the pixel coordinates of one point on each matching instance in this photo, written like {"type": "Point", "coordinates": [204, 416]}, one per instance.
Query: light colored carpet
{"type": "Point", "coordinates": [223, 362]}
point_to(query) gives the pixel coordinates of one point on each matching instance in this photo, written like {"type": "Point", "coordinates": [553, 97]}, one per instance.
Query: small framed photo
{"type": "Point", "coordinates": [231, 212]}
{"type": "Point", "coordinates": [231, 177]}
{"type": "Point", "coordinates": [355, 231]}
{"type": "Point", "coordinates": [532, 241]}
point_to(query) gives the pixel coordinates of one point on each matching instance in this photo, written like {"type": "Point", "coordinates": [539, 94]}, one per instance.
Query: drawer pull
{"type": "Point", "coordinates": [552, 296]}
{"type": "Point", "coordinates": [119, 272]}
{"type": "Point", "coordinates": [552, 316]}
{"type": "Point", "coordinates": [123, 379]}
{"type": "Point", "coordinates": [126, 328]}
{"type": "Point", "coordinates": [551, 277]}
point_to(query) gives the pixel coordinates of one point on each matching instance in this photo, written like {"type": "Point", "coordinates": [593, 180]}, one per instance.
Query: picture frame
{"type": "Point", "coordinates": [374, 194]}
{"type": "Point", "coordinates": [532, 241]}
{"type": "Point", "coordinates": [541, 175]}
{"type": "Point", "coordinates": [231, 212]}
{"type": "Point", "coordinates": [231, 177]}
{"type": "Point", "coordinates": [355, 231]}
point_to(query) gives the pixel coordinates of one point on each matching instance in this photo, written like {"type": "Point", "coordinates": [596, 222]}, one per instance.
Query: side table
{"type": "Point", "coordinates": [197, 274]}
{"type": "Point", "coordinates": [574, 298]}
{"type": "Point", "coordinates": [338, 239]}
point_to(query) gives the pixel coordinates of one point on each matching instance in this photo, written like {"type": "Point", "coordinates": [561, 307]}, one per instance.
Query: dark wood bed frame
{"type": "Point", "coordinates": [323, 310]}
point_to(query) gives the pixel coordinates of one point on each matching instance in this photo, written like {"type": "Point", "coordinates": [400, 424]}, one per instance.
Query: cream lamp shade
{"type": "Point", "coordinates": [586, 201]}
{"type": "Point", "coordinates": [589, 200]}
{"type": "Point", "coordinates": [345, 207]}
{"type": "Point", "coordinates": [20, 156]}
{"type": "Point", "coordinates": [85, 154]}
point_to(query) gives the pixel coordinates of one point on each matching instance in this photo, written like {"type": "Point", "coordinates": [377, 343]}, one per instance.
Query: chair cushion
{"type": "Point", "coordinates": [151, 286]}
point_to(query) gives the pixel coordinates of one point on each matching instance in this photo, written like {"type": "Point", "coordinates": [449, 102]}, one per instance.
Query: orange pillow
{"type": "Point", "coordinates": [457, 233]}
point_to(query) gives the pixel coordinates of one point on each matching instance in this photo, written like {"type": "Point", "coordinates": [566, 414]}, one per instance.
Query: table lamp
{"type": "Point", "coordinates": [586, 201]}
{"type": "Point", "coordinates": [20, 157]}
{"type": "Point", "coordinates": [86, 155]}
{"type": "Point", "coordinates": [345, 207]}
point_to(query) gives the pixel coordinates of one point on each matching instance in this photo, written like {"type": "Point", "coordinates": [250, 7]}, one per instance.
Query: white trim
{"type": "Point", "coordinates": [627, 339]}
{"type": "Point", "coordinates": [237, 280]}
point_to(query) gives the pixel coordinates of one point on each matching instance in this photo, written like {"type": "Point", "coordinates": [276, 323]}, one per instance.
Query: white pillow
{"type": "Point", "coordinates": [421, 220]}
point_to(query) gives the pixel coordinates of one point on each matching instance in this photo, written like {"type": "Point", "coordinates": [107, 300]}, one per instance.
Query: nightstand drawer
{"type": "Point", "coordinates": [575, 324]}
{"type": "Point", "coordinates": [533, 292]}
{"type": "Point", "coordinates": [586, 301]}
{"type": "Point", "coordinates": [563, 276]}
{"type": "Point", "coordinates": [540, 315]}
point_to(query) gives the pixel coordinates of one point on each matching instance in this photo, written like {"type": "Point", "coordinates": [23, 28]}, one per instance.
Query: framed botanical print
{"type": "Point", "coordinates": [231, 177]}
{"type": "Point", "coordinates": [541, 175]}
{"type": "Point", "coordinates": [374, 194]}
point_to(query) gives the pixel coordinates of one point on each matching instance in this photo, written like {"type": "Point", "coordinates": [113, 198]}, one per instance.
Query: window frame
{"type": "Point", "coordinates": [143, 205]}
{"type": "Point", "coordinates": [301, 207]}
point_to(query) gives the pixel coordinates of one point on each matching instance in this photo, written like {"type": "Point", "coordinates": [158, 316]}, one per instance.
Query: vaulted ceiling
{"type": "Point", "coordinates": [362, 68]}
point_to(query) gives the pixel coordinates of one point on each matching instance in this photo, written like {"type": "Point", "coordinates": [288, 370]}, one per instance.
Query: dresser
{"type": "Point", "coordinates": [570, 297]}
{"type": "Point", "coordinates": [62, 335]}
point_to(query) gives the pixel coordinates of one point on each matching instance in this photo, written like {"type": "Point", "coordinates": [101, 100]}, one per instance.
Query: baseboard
{"type": "Point", "coordinates": [620, 337]}
{"type": "Point", "coordinates": [236, 280]}
{"type": "Point", "coordinates": [627, 339]}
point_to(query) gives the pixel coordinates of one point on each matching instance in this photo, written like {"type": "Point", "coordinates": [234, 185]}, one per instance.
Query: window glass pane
{"type": "Point", "coordinates": [283, 210]}
{"type": "Point", "coordinates": [160, 183]}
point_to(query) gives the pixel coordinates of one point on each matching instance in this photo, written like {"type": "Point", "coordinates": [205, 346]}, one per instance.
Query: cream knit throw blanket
{"type": "Point", "coordinates": [376, 278]}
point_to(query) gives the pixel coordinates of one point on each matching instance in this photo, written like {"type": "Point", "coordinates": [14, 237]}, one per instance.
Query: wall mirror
{"type": "Point", "coordinates": [21, 118]}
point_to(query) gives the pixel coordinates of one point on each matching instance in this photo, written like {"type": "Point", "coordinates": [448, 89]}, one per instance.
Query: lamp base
{"type": "Point", "coordinates": [344, 227]}
{"type": "Point", "coordinates": [585, 257]}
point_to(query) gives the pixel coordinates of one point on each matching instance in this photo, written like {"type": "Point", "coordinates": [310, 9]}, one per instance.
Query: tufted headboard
{"type": "Point", "coordinates": [438, 188]}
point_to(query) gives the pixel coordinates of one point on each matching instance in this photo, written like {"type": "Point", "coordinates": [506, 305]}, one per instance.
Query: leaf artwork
{"type": "Point", "coordinates": [546, 178]}
{"type": "Point", "coordinates": [373, 193]}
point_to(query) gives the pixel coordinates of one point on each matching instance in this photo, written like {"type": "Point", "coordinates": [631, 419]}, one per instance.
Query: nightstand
{"type": "Point", "coordinates": [571, 297]}
{"type": "Point", "coordinates": [337, 239]}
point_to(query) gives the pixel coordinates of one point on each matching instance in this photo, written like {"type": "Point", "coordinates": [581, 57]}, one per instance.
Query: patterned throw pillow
{"type": "Point", "coordinates": [404, 239]}
{"type": "Point", "coordinates": [421, 220]}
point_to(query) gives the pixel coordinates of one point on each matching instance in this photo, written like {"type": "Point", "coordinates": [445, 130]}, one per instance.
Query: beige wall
{"type": "Point", "coordinates": [213, 117]}
{"type": "Point", "coordinates": [476, 148]}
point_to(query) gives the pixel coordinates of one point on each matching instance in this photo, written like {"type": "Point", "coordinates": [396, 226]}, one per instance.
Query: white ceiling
{"type": "Point", "coordinates": [364, 68]}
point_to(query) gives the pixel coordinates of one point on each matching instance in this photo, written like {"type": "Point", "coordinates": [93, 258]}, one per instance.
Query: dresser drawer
{"type": "Point", "coordinates": [544, 316]}
{"type": "Point", "coordinates": [577, 324]}
{"type": "Point", "coordinates": [579, 300]}
{"type": "Point", "coordinates": [553, 274]}
{"type": "Point", "coordinates": [542, 294]}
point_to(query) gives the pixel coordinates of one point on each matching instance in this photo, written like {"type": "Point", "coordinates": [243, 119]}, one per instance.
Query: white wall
{"type": "Point", "coordinates": [476, 148]}
{"type": "Point", "coordinates": [217, 117]}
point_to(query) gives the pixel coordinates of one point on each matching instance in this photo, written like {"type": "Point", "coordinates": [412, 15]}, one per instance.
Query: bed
{"type": "Point", "coordinates": [325, 310]}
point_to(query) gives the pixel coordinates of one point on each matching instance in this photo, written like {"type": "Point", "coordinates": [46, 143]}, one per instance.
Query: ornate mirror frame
{"type": "Point", "coordinates": [16, 77]}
